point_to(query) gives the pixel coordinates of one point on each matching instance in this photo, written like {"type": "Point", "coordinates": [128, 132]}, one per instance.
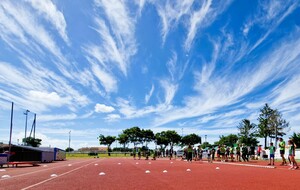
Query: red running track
{"type": "Point", "coordinates": [127, 174]}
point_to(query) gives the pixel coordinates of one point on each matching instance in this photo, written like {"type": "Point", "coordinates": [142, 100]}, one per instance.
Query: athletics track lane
{"type": "Point", "coordinates": [129, 175]}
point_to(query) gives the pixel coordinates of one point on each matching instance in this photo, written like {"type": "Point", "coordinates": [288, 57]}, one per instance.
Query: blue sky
{"type": "Point", "coordinates": [98, 67]}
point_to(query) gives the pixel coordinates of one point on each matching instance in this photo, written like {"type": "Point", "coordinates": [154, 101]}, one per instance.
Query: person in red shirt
{"type": "Point", "coordinates": [258, 151]}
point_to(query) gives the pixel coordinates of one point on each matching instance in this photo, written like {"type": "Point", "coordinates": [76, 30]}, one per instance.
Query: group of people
{"type": "Point", "coordinates": [169, 153]}
{"type": "Point", "coordinates": [229, 153]}
{"type": "Point", "coordinates": [291, 157]}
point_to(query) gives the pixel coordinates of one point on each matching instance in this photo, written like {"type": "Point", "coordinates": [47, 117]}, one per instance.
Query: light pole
{"type": "Point", "coordinates": [69, 141]}
{"type": "Point", "coordinates": [205, 137]}
{"type": "Point", "coordinates": [26, 113]}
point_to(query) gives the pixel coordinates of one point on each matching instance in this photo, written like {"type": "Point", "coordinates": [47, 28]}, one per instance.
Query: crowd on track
{"type": "Point", "coordinates": [224, 153]}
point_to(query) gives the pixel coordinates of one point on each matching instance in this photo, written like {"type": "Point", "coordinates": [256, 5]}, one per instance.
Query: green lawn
{"type": "Point", "coordinates": [100, 155]}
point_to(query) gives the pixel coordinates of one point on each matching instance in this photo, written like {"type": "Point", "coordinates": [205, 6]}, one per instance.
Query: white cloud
{"type": "Point", "coordinates": [204, 17]}
{"type": "Point", "coordinates": [60, 117]}
{"type": "Point", "coordinates": [195, 21]}
{"type": "Point", "coordinates": [227, 89]}
{"type": "Point", "coordinates": [141, 4]}
{"type": "Point", "coordinates": [169, 90]}
{"type": "Point", "coordinates": [149, 95]}
{"type": "Point", "coordinates": [123, 45]}
{"type": "Point", "coordinates": [47, 98]}
{"type": "Point", "coordinates": [269, 16]}
{"type": "Point", "coordinates": [21, 21]}
{"type": "Point", "coordinates": [101, 108]}
{"type": "Point", "coordinates": [107, 80]}
{"type": "Point", "coordinates": [288, 92]}
{"type": "Point", "coordinates": [112, 117]}
{"type": "Point", "coordinates": [171, 12]}
{"type": "Point", "coordinates": [37, 87]}
{"type": "Point", "coordinates": [49, 10]}
{"type": "Point", "coordinates": [130, 111]}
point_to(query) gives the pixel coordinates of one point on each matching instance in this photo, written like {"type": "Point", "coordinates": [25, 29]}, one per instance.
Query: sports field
{"type": "Point", "coordinates": [126, 173]}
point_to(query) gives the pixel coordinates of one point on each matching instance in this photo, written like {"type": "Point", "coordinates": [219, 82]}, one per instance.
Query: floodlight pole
{"type": "Point", "coordinates": [69, 141]}
{"type": "Point", "coordinates": [26, 113]}
{"type": "Point", "coordinates": [11, 126]}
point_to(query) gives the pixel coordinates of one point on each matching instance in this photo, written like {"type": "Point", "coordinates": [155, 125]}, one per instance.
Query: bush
{"type": "Point", "coordinates": [93, 154]}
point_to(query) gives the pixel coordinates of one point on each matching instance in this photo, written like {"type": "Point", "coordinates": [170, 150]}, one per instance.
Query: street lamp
{"type": "Point", "coordinates": [26, 113]}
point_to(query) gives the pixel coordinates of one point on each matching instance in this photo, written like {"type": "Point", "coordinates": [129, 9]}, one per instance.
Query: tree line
{"type": "Point", "coordinates": [143, 137]}
{"type": "Point", "coordinates": [270, 125]}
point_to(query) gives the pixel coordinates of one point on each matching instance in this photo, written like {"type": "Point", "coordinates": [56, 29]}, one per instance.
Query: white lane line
{"type": "Point", "coordinates": [20, 175]}
{"type": "Point", "coordinates": [36, 184]}
{"type": "Point", "coordinates": [247, 165]}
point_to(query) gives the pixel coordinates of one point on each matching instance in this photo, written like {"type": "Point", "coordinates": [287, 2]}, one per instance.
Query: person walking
{"type": "Point", "coordinates": [292, 147]}
{"type": "Point", "coordinates": [282, 151]}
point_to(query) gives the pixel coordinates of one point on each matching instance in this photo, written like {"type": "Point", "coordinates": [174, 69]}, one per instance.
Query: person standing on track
{"type": "Point", "coordinates": [139, 153]}
{"type": "Point", "coordinates": [222, 153]}
{"type": "Point", "coordinates": [213, 151]}
{"type": "Point", "coordinates": [189, 153]}
{"type": "Point", "coordinates": [292, 147]}
{"type": "Point", "coordinates": [282, 151]}
{"type": "Point", "coordinates": [171, 153]}
{"type": "Point", "coordinates": [218, 153]}
{"type": "Point", "coordinates": [134, 153]}
{"type": "Point", "coordinates": [258, 152]}
{"type": "Point", "coordinates": [272, 153]}
{"type": "Point", "coordinates": [244, 153]}
{"type": "Point", "coordinates": [227, 153]}
{"type": "Point", "coordinates": [238, 153]}
{"type": "Point", "coordinates": [208, 155]}
{"type": "Point", "coordinates": [231, 150]}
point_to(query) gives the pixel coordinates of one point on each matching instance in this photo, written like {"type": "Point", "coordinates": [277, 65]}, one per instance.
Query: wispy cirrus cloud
{"type": "Point", "coordinates": [204, 17]}
{"type": "Point", "coordinates": [269, 16]}
{"type": "Point", "coordinates": [63, 117]}
{"type": "Point", "coordinates": [107, 80]}
{"type": "Point", "coordinates": [171, 12]}
{"type": "Point", "coordinates": [38, 88]}
{"type": "Point", "coordinates": [226, 90]}
{"type": "Point", "coordinates": [123, 29]}
{"type": "Point", "coordinates": [170, 84]}
{"type": "Point", "coordinates": [129, 110]}
{"type": "Point", "coordinates": [49, 10]}
{"type": "Point", "coordinates": [149, 95]}
{"type": "Point", "coordinates": [112, 117]}
{"type": "Point", "coordinates": [21, 22]}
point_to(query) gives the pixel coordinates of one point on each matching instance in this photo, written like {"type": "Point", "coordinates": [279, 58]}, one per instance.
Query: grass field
{"type": "Point", "coordinates": [100, 155]}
